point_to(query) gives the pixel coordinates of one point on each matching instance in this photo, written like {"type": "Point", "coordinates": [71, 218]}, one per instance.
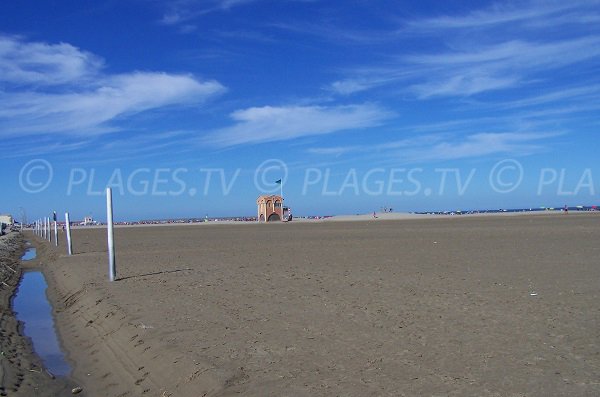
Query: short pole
{"type": "Point", "coordinates": [44, 228]}
{"type": "Point", "coordinates": [48, 232]}
{"type": "Point", "coordinates": [55, 234]}
{"type": "Point", "coordinates": [68, 226]}
{"type": "Point", "coordinates": [111, 242]}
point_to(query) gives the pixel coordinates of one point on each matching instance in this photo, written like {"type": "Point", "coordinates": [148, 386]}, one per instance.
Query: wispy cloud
{"type": "Point", "coordinates": [443, 146]}
{"type": "Point", "coordinates": [16, 148]}
{"type": "Point", "coordinates": [588, 94]}
{"type": "Point", "coordinates": [61, 89]}
{"type": "Point", "coordinates": [551, 12]}
{"type": "Point", "coordinates": [482, 144]}
{"type": "Point", "coordinates": [364, 83]}
{"type": "Point", "coordinates": [269, 124]}
{"type": "Point", "coordinates": [333, 150]}
{"type": "Point", "coordinates": [182, 12]}
{"type": "Point", "coordinates": [326, 31]}
{"type": "Point", "coordinates": [498, 66]}
{"type": "Point", "coordinates": [499, 48]}
{"type": "Point", "coordinates": [26, 63]}
{"type": "Point", "coordinates": [474, 69]}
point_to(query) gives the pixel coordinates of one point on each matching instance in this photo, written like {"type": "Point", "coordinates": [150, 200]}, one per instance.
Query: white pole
{"type": "Point", "coordinates": [111, 241]}
{"type": "Point", "coordinates": [281, 187]}
{"type": "Point", "coordinates": [68, 226]}
{"type": "Point", "coordinates": [48, 232]}
{"type": "Point", "coordinates": [44, 228]}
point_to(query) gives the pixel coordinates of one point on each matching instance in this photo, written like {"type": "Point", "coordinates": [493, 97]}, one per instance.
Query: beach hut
{"type": "Point", "coordinates": [270, 208]}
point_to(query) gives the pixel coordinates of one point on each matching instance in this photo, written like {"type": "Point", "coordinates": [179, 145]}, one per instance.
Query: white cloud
{"type": "Point", "coordinates": [52, 91]}
{"type": "Point", "coordinates": [44, 64]}
{"type": "Point", "coordinates": [462, 85]}
{"type": "Point", "coordinates": [497, 14]}
{"type": "Point", "coordinates": [502, 47]}
{"type": "Point", "coordinates": [334, 150]}
{"type": "Point", "coordinates": [505, 65]}
{"type": "Point", "coordinates": [269, 124]}
{"type": "Point", "coordinates": [227, 4]}
{"type": "Point", "coordinates": [443, 146]}
{"type": "Point", "coordinates": [589, 94]}
{"type": "Point", "coordinates": [516, 54]}
{"type": "Point", "coordinates": [183, 11]}
{"type": "Point", "coordinates": [354, 85]}
{"type": "Point", "coordinates": [550, 12]}
{"type": "Point", "coordinates": [483, 144]}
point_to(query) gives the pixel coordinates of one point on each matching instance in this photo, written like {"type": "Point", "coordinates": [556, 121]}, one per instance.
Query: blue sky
{"type": "Point", "coordinates": [194, 107]}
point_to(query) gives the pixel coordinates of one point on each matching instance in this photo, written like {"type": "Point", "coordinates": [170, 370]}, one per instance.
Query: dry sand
{"type": "Point", "coordinates": [481, 306]}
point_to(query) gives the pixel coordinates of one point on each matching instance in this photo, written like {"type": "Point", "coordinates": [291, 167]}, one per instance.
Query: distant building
{"type": "Point", "coordinates": [88, 220]}
{"type": "Point", "coordinates": [6, 219]}
{"type": "Point", "coordinates": [270, 208]}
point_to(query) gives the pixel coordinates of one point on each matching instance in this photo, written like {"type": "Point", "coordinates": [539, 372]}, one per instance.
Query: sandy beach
{"type": "Point", "coordinates": [486, 306]}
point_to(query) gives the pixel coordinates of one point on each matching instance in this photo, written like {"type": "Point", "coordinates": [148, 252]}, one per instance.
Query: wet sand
{"type": "Point", "coordinates": [21, 371]}
{"type": "Point", "coordinates": [486, 306]}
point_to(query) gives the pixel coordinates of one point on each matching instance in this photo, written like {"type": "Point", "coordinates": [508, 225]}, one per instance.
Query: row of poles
{"type": "Point", "coordinates": [43, 229]}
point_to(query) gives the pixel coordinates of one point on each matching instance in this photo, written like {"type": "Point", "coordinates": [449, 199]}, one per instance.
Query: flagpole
{"type": "Point", "coordinates": [281, 187]}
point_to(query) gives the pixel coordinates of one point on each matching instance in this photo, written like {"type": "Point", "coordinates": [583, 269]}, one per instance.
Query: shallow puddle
{"type": "Point", "coordinates": [33, 309]}
{"type": "Point", "coordinates": [30, 253]}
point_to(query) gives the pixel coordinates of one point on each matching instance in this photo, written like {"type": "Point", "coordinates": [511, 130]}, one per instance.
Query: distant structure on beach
{"type": "Point", "coordinates": [270, 208]}
{"type": "Point", "coordinates": [6, 219]}
{"type": "Point", "coordinates": [88, 220]}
